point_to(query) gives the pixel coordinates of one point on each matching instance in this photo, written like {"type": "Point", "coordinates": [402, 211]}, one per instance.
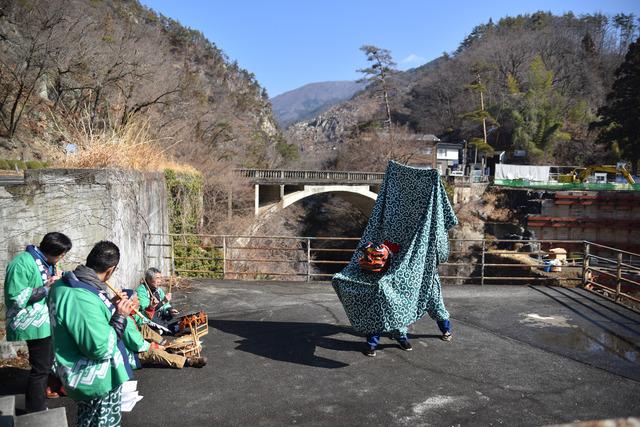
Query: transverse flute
{"type": "Point", "coordinates": [142, 316]}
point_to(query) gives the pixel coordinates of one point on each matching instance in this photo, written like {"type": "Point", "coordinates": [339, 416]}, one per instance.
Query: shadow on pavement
{"type": "Point", "coordinates": [293, 342]}
{"type": "Point", "coordinates": [13, 380]}
{"type": "Point", "coordinates": [583, 306]}
{"type": "Point", "coordinates": [610, 333]}
{"type": "Point", "coordinates": [618, 310]}
{"type": "Point", "coordinates": [296, 342]}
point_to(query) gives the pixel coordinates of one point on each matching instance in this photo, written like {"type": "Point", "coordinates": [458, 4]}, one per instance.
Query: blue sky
{"type": "Point", "coordinates": [289, 43]}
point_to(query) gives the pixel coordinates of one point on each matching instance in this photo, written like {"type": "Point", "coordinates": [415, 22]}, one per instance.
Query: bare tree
{"type": "Point", "coordinates": [25, 56]}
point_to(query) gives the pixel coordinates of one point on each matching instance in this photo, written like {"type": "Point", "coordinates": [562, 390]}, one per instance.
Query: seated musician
{"type": "Point", "coordinates": [154, 303]}
{"type": "Point", "coordinates": [151, 350]}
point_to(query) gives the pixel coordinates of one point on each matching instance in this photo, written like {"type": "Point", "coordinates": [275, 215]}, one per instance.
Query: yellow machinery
{"type": "Point", "coordinates": [581, 175]}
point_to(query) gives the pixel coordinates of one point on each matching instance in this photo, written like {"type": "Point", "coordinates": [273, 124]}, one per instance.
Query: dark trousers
{"type": "Point", "coordinates": [41, 359]}
{"type": "Point", "coordinates": [374, 339]}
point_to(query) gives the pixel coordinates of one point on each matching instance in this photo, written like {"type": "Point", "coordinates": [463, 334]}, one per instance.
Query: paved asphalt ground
{"type": "Point", "coordinates": [283, 354]}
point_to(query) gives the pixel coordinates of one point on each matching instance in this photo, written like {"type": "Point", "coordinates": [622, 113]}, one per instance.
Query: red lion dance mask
{"type": "Point", "coordinates": [376, 258]}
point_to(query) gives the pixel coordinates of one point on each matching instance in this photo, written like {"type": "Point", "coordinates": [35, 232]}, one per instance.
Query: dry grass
{"type": "Point", "coordinates": [128, 147]}
{"type": "Point", "coordinates": [21, 361]}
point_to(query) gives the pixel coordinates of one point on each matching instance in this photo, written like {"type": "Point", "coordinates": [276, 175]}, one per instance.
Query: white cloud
{"type": "Point", "coordinates": [413, 59]}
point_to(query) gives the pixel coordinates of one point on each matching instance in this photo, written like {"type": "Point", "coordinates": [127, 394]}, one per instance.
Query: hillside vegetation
{"type": "Point", "coordinates": [71, 70]}
{"type": "Point", "coordinates": [543, 78]}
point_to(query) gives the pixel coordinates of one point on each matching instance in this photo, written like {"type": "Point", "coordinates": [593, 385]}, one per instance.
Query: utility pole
{"type": "Point", "coordinates": [464, 156]}
{"type": "Point", "coordinates": [484, 121]}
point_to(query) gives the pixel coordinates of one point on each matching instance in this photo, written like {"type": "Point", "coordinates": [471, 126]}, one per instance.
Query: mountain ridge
{"type": "Point", "coordinates": [312, 99]}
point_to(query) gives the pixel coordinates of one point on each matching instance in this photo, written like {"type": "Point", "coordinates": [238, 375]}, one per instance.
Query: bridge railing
{"type": "Point", "coordinates": [310, 175]}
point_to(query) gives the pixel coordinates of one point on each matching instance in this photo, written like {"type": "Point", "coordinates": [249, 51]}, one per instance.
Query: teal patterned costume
{"type": "Point", "coordinates": [101, 412]}
{"type": "Point", "coordinates": [412, 210]}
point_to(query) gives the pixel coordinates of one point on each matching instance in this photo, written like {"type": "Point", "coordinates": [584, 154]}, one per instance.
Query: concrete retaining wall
{"type": "Point", "coordinates": [88, 206]}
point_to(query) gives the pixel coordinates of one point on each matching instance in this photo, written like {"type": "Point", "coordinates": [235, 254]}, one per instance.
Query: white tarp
{"type": "Point", "coordinates": [530, 173]}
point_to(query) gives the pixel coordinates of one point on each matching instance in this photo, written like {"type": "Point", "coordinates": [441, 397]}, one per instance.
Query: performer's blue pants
{"type": "Point", "coordinates": [374, 339]}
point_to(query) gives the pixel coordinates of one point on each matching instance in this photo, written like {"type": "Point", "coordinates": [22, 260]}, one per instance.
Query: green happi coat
{"type": "Point", "coordinates": [145, 301]}
{"type": "Point", "coordinates": [134, 342]}
{"type": "Point", "coordinates": [24, 321]}
{"type": "Point", "coordinates": [87, 358]}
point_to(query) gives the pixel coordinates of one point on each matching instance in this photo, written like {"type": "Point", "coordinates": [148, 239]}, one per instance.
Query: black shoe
{"type": "Point", "coordinates": [405, 345]}
{"type": "Point", "coordinates": [370, 351]}
{"type": "Point", "coordinates": [196, 362]}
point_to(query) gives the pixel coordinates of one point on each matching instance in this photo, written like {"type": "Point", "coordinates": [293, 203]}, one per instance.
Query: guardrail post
{"type": "Point", "coordinates": [224, 257]}
{"type": "Point", "coordinates": [482, 267]}
{"type": "Point", "coordinates": [585, 263]}
{"type": "Point", "coordinates": [618, 276]}
{"type": "Point", "coordinates": [308, 259]}
{"type": "Point", "coordinates": [173, 256]}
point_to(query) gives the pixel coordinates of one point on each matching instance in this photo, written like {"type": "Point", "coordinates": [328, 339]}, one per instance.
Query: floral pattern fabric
{"type": "Point", "coordinates": [104, 411]}
{"type": "Point", "coordinates": [413, 211]}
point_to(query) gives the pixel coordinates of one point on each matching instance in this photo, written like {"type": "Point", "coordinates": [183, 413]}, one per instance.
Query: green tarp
{"type": "Point", "coordinates": [561, 186]}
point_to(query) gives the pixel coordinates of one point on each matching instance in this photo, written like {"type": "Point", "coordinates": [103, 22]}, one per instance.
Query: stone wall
{"type": "Point", "coordinates": [88, 206]}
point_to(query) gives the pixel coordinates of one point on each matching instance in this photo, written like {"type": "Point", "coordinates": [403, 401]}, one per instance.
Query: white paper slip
{"type": "Point", "coordinates": [129, 386]}
{"type": "Point", "coordinates": [127, 405]}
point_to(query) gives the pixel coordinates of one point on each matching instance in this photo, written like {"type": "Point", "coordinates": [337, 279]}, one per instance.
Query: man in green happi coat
{"type": "Point", "coordinates": [88, 330]}
{"type": "Point", "coordinates": [154, 303]}
{"type": "Point", "coordinates": [26, 285]}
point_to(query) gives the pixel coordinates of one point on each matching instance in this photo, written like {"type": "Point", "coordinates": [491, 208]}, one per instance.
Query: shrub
{"type": "Point", "coordinates": [449, 189]}
{"type": "Point", "coordinates": [35, 164]}
{"type": "Point", "coordinates": [13, 164]}
{"type": "Point", "coordinates": [190, 253]}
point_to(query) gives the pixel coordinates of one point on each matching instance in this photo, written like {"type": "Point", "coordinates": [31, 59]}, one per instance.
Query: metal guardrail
{"type": "Point", "coordinates": [613, 273]}
{"type": "Point", "coordinates": [467, 180]}
{"type": "Point", "coordinates": [309, 175]}
{"type": "Point", "coordinates": [480, 261]}
{"type": "Point", "coordinates": [11, 180]}
{"type": "Point", "coordinates": [607, 271]}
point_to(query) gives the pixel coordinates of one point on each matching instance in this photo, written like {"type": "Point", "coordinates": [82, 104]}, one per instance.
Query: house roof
{"type": "Point", "coordinates": [455, 145]}
{"type": "Point", "coordinates": [429, 137]}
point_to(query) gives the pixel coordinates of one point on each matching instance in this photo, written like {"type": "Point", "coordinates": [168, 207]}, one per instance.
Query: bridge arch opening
{"type": "Point", "coordinates": [334, 214]}
{"type": "Point", "coordinates": [270, 198]}
{"type": "Point", "coordinates": [361, 199]}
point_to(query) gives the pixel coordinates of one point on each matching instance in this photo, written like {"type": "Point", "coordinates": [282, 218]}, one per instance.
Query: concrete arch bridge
{"type": "Point", "coordinates": [278, 189]}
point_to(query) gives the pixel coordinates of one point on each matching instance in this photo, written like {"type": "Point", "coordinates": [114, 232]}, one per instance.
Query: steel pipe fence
{"type": "Point", "coordinates": [613, 274]}
{"type": "Point", "coordinates": [474, 261]}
